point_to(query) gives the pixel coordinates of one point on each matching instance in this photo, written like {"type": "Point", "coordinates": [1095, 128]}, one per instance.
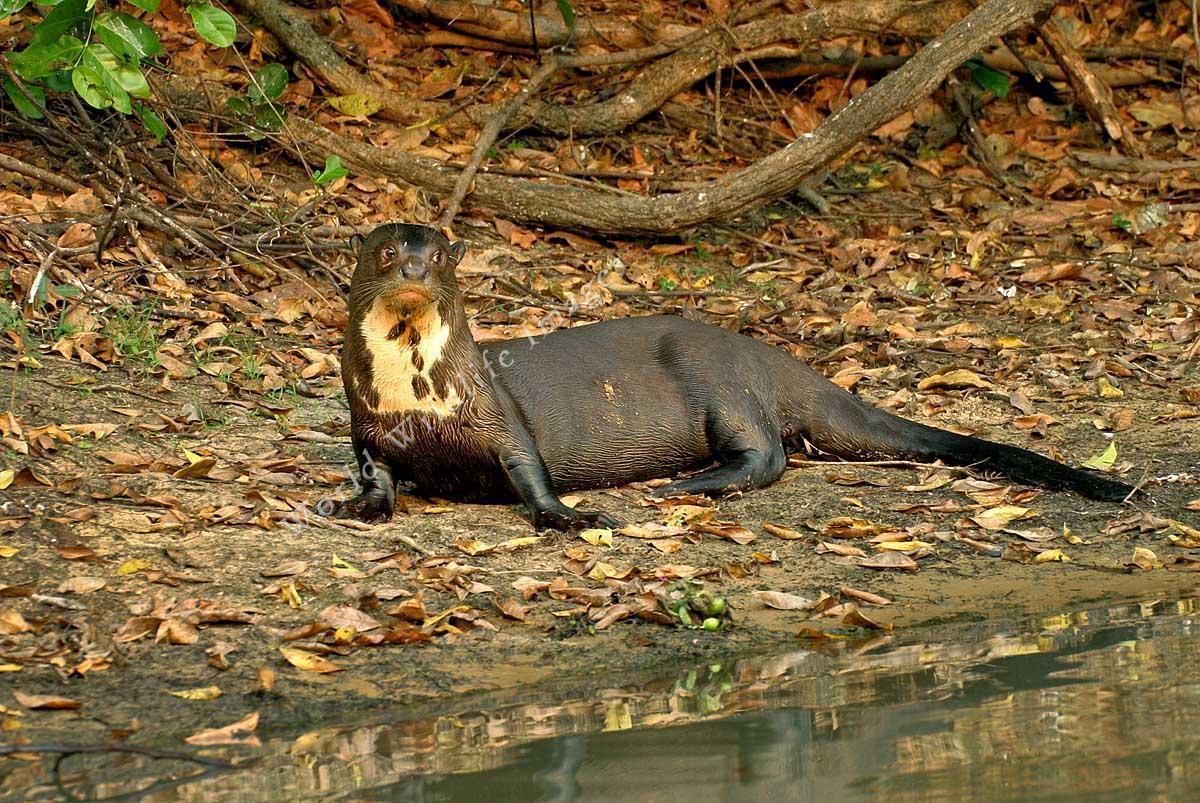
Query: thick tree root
{"type": "Point", "coordinates": [772, 177]}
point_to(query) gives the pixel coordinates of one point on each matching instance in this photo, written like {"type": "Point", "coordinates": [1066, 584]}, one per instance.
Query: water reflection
{"type": "Point", "coordinates": [1103, 703]}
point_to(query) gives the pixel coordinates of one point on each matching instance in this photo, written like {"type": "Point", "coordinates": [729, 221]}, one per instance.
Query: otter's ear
{"type": "Point", "coordinates": [457, 251]}
{"type": "Point", "coordinates": [355, 243]}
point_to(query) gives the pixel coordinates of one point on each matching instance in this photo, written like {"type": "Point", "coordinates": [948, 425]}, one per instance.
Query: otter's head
{"type": "Point", "coordinates": [405, 268]}
{"type": "Point", "coordinates": [405, 308]}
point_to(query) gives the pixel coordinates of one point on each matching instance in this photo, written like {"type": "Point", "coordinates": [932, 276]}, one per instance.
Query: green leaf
{"type": "Point", "coordinates": [1103, 461]}
{"type": "Point", "coordinates": [268, 117]}
{"type": "Point", "coordinates": [90, 87]}
{"type": "Point", "coordinates": [62, 18]}
{"type": "Point", "coordinates": [149, 6]}
{"type": "Point", "coordinates": [332, 172]}
{"type": "Point", "coordinates": [268, 84]}
{"type": "Point", "coordinates": [58, 81]}
{"type": "Point", "coordinates": [153, 123]}
{"type": "Point", "coordinates": [23, 104]}
{"type": "Point", "coordinates": [103, 62]}
{"type": "Point", "coordinates": [128, 36]}
{"type": "Point", "coordinates": [10, 7]}
{"type": "Point", "coordinates": [214, 25]}
{"type": "Point", "coordinates": [568, 14]}
{"type": "Point", "coordinates": [995, 82]}
{"type": "Point", "coordinates": [238, 105]}
{"type": "Point", "coordinates": [133, 81]}
{"type": "Point", "coordinates": [38, 61]}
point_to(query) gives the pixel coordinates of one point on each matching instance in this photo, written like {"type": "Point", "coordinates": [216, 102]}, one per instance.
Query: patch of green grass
{"type": "Point", "coordinates": [63, 328]}
{"type": "Point", "coordinates": [239, 339]}
{"type": "Point", "coordinates": [285, 396]}
{"type": "Point", "coordinates": [252, 367]}
{"type": "Point", "coordinates": [131, 329]}
{"type": "Point", "coordinates": [10, 319]}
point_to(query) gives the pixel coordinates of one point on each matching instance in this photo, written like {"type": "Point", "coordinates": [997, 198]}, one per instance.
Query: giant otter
{"type": "Point", "coordinates": [596, 406]}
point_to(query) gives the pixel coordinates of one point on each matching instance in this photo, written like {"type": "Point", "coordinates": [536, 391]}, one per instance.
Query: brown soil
{"type": "Point", "coordinates": [223, 564]}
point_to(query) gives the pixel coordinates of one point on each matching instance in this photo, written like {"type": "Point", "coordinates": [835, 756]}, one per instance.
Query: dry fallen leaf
{"type": "Point", "coordinates": [202, 693]}
{"type": "Point", "coordinates": [887, 560]}
{"type": "Point", "coordinates": [845, 550]}
{"type": "Point", "coordinates": [953, 379]}
{"type": "Point", "coordinates": [856, 618]}
{"type": "Point", "coordinates": [781, 601]}
{"type": "Point", "coordinates": [782, 532]}
{"type": "Point", "coordinates": [997, 518]}
{"type": "Point", "coordinates": [848, 527]}
{"type": "Point", "coordinates": [82, 584]}
{"type": "Point", "coordinates": [1143, 559]}
{"type": "Point", "coordinates": [865, 596]}
{"type": "Point", "coordinates": [12, 623]}
{"type": "Point", "coordinates": [346, 616]}
{"type": "Point", "coordinates": [309, 662]}
{"type": "Point", "coordinates": [511, 609]}
{"type": "Point", "coordinates": [287, 568]}
{"type": "Point", "coordinates": [1052, 555]}
{"type": "Point", "coordinates": [45, 702]}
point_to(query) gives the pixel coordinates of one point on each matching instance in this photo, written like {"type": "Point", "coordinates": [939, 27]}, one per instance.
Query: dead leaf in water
{"type": "Point", "coordinates": [240, 732]}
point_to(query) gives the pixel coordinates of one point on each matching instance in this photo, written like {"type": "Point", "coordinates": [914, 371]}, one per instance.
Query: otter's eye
{"type": "Point", "coordinates": [388, 253]}
{"type": "Point", "coordinates": [440, 258]}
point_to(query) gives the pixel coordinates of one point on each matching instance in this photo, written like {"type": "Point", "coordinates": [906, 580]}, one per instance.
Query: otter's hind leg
{"type": "Point", "coordinates": [749, 452]}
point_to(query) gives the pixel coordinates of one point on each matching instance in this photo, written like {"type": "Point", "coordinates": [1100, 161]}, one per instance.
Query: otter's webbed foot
{"type": "Point", "coordinates": [566, 520]}
{"type": "Point", "coordinates": [371, 507]}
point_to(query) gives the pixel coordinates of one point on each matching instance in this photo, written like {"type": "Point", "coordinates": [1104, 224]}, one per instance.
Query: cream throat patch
{"type": "Point", "coordinates": [404, 354]}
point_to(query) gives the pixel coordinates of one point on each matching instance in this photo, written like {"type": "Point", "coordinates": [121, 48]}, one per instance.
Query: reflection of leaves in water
{"type": "Point", "coordinates": [943, 708]}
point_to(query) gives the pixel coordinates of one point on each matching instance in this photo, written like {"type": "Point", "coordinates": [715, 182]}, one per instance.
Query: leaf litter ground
{"type": "Point", "coordinates": [164, 543]}
{"type": "Point", "coordinates": [162, 575]}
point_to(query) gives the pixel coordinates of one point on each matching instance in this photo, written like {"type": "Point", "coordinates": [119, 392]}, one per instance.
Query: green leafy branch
{"type": "Point", "coordinates": [101, 54]}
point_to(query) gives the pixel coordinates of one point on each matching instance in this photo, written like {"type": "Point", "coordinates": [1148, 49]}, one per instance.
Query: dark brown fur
{"type": "Point", "coordinates": [610, 403]}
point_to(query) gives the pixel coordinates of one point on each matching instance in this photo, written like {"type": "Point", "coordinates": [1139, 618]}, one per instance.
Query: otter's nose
{"type": "Point", "coordinates": [414, 268]}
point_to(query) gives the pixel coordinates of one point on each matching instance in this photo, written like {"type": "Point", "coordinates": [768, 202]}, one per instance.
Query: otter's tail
{"type": "Point", "coordinates": [852, 429]}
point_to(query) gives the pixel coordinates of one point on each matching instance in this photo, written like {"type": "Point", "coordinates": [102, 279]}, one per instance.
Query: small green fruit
{"type": "Point", "coordinates": [711, 623]}
{"type": "Point", "coordinates": [717, 606]}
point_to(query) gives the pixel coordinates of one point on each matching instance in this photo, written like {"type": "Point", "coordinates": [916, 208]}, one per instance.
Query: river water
{"type": "Point", "coordinates": [1098, 704]}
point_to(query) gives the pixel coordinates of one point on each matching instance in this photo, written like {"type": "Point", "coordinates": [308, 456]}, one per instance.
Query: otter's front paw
{"type": "Point", "coordinates": [567, 520]}
{"type": "Point", "coordinates": [366, 508]}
